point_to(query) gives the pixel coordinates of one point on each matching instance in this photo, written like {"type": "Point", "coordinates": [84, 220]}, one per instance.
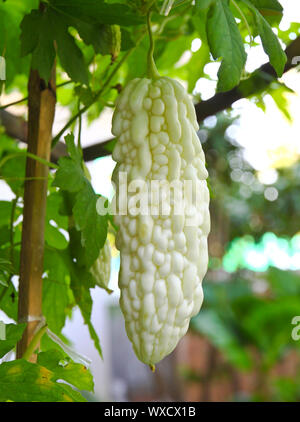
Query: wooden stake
{"type": "Point", "coordinates": [41, 109]}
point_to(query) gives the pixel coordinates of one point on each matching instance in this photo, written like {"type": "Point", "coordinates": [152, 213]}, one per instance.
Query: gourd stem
{"type": "Point", "coordinates": [152, 70]}
{"type": "Point", "coordinates": [34, 343]}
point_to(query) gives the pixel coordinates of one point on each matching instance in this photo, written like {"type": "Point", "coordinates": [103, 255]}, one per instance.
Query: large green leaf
{"type": "Point", "coordinates": [42, 44]}
{"type": "Point", "coordinates": [225, 42]}
{"type": "Point", "coordinates": [81, 282]}
{"type": "Point", "coordinates": [93, 226]}
{"type": "Point", "coordinates": [70, 55]}
{"type": "Point", "coordinates": [54, 205]}
{"type": "Point", "coordinates": [270, 41]}
{"type": "Point", "coordinates": [4, 235]}
{"type": "Point", "coordinates": [268, 6]}
{"type": "Point", "coordinates": [51, 27]}
{"type": "Point", "coordinates": [13, 334]}
{"type": "Point", "coordinates": [63, 368]}
{"type": "Point", "coordinates": [11, 14]}
{"type": "Point", "coordinates": [54, 237]}
{"type": "Point", "coordinates": [97, 11]}
{"type": "Point", "coordinates": [9, 295]}
{"type": "Point", "coordinates": [70, 177]}
{"type": "Point", "coordinates": [22, 381]}
{"type": "Point", "coordinates": [203, 4]}
{"type": "Point", "coordinates": [56, 290]}
{"type": "Point", "coordinates": [5, 212]}
{"type": "Point", "coordinates": [13, 172]}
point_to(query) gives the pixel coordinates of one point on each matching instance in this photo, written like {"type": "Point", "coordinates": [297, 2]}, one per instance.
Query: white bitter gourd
{"type": "Point", "coordinates": [163, 258]}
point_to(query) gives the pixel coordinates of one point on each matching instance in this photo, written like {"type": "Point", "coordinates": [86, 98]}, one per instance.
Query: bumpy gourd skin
{"type": "Point", "coordinates": [163, 257]}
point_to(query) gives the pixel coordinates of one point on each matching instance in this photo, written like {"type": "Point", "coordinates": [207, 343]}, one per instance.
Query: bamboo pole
{"type": "Point", "coordinates": [41, 109]}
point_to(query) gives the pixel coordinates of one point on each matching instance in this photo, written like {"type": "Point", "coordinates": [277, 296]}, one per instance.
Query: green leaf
{"type": "Point", "coordinates": [226, 42]}
{"type": "Point", "coordinates": [69, 53]}
{"type": "Point", "coordinates": [63, 368]}
{"type": "Point", "coordinates": [270, 42]}
{"type": "Point", "coordinates": [56, 290]}
{"type": "Point", "coordinates": [126, 40]}
{"type": "Point", "coordinates": [6, 269]}
{"type": "Point", "coordinates": [81, 282]}
{"type": "Point", "coordinates": [203, 4]}
{"type": "Point", "coordinates": [29, 40]}
{"type": "Point", "coordinates": [172, 52]}
{"type": "Point", "coordinates": [84, 94]}
{"type": "Point", "coordinates": [38, 384]}
{"type": "Point", "coordinates": [93, 226]}
{"type": "Point", "coordinates": [54, 204]}
{"type": "Point", "coordinates": [54, 237]}
{"type": "Point", "coordinates": [97, 11]}
{"type": "Point", "coordinates": [278, 93]}
{"type": "Point", "coordinates": [51, 26]}
{"type": "Point", "coordinates": [9, 301]}
{"type": "Point", "coordinates": [14, 171]}
{"type": "Point", "coordinates": [4, 235]}
{"type": "Point", "coordinates": [268, 7]}
{"type": "Point", "coordinates": [5, 212]}
{"type": "Point", "coordinates": [69, 176]}
{"type": "Point", "coordinates": [3, 278]}
{"type": "Point", "coordinates": [90, 33]}
{"type": "Point", "coordinates": [13, 334]}
{"type": "Point", "coordinates": [11, 14]}
{"type": "Point", "coordinates": [42, 49]}
{"type": "Point", "coordinates": [73, 151]}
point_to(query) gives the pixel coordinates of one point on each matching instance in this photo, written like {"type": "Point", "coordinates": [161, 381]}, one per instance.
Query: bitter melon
{"type": "Point", "coordinates": [163, 257]}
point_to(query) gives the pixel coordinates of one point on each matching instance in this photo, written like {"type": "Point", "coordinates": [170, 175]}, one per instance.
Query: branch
{"type": "Point", "coordinates": [16, 127]}
{"type": "Point", "coordinates": [258, 81]}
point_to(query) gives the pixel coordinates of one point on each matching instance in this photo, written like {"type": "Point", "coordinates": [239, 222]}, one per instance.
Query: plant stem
{"type": "Point", "coordinates": [79, 128]}
{"type": "Point", "coordinates": [166, 7]}
{"type": "Point", "coordinates": [13, 103]}
{"type": "Point", "coordinates": [152, 70]}
{"type": "Point", "coordinates": [30, 155]}
{"type": "Point", "coordinates": [41, 109]}
{"type": "Point", "coordinates": [34, 343]}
